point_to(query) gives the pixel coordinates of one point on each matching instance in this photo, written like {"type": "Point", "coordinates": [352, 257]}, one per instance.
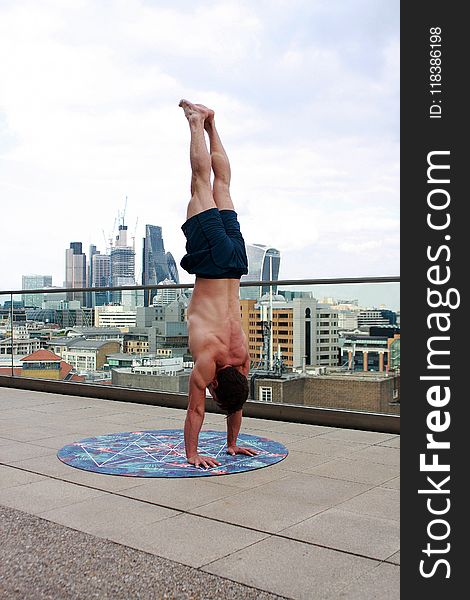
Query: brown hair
{"type": "Point", "coordinates": [231, 391]}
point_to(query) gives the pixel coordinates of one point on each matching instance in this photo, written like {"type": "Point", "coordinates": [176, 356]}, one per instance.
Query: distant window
{"type": "Point", "coordinates": [307, 313]}
{"type": "Point", "coordinates": [266, 394]}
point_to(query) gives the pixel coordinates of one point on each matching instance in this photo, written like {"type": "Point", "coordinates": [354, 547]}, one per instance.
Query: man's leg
{"type": "Point", "coordinates": [201, 191]}
{"type": "Point", "coordinates": [220, 166]}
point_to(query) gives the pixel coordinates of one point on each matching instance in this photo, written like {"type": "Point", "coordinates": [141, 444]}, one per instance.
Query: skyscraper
{"type": "Point", "coordinates": [101, 270]}
{"type": "Point", "coordinates": [156, 264]}
{"type": "Point", "coordinates": [34, 282]}
{"type": "Point", "coordinates": [263, 265]}
{"type": "Point", "coordinates": [75, 271]}
{"type": "Point", "coordinates": [122, 262]}
{"type": "Point", "coordinates": [89, 274]}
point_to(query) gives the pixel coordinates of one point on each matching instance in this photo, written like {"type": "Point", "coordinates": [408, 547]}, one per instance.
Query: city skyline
{"type": "Point", "coordinates": [310, 118]}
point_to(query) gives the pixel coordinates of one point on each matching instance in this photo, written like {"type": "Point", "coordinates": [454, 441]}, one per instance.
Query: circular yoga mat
{"type": "Point", "coordinates": [160, 453]}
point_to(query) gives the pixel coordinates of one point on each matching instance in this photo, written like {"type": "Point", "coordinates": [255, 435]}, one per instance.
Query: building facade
{"type": "Point", "coordinates": [90, 355]}
{"type": "Point", "coordinates": [122, 257]}
{"type": "Point", "coordinates": [368, 352]}
{"type": "Point", "coordinates": [114, 316]}
{"type": "Point", "coordinates": [301, 332]}
{"type": "Point", "coordinates": [157, 265]}
{"type": "Point", "coordinates": [34, 282]}
{"type": "Point", "coordinates": [75, 272]}
{"type": "Point", "coordinates": [373, 317]}
{"type": "Point", "coordinates": [263, 265]}
{"type": "Point", "coordinates": [100, 277]}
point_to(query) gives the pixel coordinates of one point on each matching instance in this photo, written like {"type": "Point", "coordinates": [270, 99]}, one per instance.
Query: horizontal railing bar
{"type": "Point", "coordinates": [182, 286]}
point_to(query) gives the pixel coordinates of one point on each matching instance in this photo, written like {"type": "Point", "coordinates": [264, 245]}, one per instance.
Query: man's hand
{"type": "Point", "coordinates": [203, 461]}
{"type": "Point", "coordinates": [238, 450]}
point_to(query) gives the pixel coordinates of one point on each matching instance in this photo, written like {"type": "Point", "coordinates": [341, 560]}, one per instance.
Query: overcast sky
{"type": "Point", "coordinates": [306, 94]}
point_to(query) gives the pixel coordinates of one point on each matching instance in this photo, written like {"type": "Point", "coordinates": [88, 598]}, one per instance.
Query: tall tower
{"type": "Point", "coordinates": [75, 271]}
{"type": "Point", "coordinates": [157, 265]}
{"type": "Point", "coordinates": [101, 277]}
{"type": "Point", "coordinates": [263, 265]}
{"type": "Point", "coordinates": [122, 261]}
{"type": "Point", "coordinates": [89, 274]}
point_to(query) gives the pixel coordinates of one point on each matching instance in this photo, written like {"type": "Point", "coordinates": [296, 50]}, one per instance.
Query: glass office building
{"type": "Point", "coordinates": [263, 265]}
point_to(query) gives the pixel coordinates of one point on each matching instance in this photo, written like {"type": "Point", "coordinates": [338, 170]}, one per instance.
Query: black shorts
{"type": "Point", "coordinates": [215, 246]}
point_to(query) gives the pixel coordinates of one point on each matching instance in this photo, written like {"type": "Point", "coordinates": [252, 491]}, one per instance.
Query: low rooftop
{"type": "Point", "coordinates": [321, 524]}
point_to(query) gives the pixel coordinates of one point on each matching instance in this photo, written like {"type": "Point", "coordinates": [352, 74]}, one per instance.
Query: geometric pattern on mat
{"type": "Point", "coordinates": [160, 453]}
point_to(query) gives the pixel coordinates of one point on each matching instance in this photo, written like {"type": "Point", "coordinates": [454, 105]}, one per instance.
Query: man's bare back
{"type": "Point", "coordinates": [216, 255]}
{"type": "Point", "coordinates": [214, 322]}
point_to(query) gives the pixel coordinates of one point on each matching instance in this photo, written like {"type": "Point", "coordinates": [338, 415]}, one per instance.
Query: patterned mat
{"type": "Point", "coordinates": [160, 453]}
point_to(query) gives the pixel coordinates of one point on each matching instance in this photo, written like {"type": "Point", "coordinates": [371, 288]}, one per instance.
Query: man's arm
{"type": "Point", "coordinates": [234, 422]}
{"type": "Point", "coordinates": [203, 372]}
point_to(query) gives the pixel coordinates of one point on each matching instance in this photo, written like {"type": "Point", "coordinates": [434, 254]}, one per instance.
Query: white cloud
{"type": "Point", "coordinates": [88, 114]}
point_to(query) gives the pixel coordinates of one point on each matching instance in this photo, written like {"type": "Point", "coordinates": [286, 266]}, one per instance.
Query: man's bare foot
{"type": "Point", "coordinates": [194, 110]}
{"type": "Point", "coordinates": [209, 120]}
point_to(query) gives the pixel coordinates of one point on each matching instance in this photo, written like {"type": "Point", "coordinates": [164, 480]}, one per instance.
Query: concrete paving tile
{"type": "Point", "coordinates": [211, 420]}
{"type": "Point", "coordinates": [4, 441]}
{"type": "Point", "coordinates": [279, 504]}
{"type": "Point", "coordinates": [379, 454]}
{"type": "Point", "coordinates": [357, 435]}
{"type": "Point", "coordinates": [342, 530]}
{"type": "Point", "coordinates": [95, 426]}
{"type": "Point", "coordinates": [292, 569]}
{"type": "Point", "coordinates": [64, 406]}
{"type": "Point", "coordinates": [10, 477]}
{"type": "Point", "coordinates": [395, 558]}
{"type": "Point", "coordinates": [393, 443]}
{"type": "Point", "coordinates": [180, 493]}
{"type": "Point", "coordinates": [393, 484]}
{"type": "Point", "coordinates": [377, 502]}
{"type": "Point", "coordinates": [252, 479]}
{"type": "Point", "coordinates": [278, 436]}
{"type": "Point", "coordinates": [302, 429]}
{"type": "Point", "coordinates": [52, 466]}
{"type": "Point", "coordinates": [302, 462]}
{"type": "Point", "coordinates": [28, 400]}
{"type": "Point", "coordinates": [41, 495]}
{"type": "Point", "coordinates": [381, 583]}
{"type": "Point", "coordinates": [189, 539]}
{"type": "Point", "coordinates": [87, 412]}
{"type": "Point", "coordinates": [361, 471]}
{"type": "Point", "coordinates": [131, 420]}
{"type": "Point", "coordinates": [162, 423]}
{"type": "Point", "coordinates": [13, 414]}
{"type": "Point", "coordinates": [30, 433]}
{"type": "Point", "coordinates": [320, 445]}
{"type": "Point", "coordinates": [58, 441]}
{"type": "Point", "coordinates": [261, 424]}
{"type": "Point", "coordinates": [165, 411]}
{"type": "Point", "coordinates": [107, 515]}
{"type": "Point", "coordinates": [19, 450]}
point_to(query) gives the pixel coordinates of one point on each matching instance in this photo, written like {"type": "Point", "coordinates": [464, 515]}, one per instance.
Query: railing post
{"type": "Point", "coordinates": [11, 335]}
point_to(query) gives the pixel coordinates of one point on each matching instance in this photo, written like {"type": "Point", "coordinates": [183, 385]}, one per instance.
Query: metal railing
{"type": "Point", "coordinates": [175, 286]}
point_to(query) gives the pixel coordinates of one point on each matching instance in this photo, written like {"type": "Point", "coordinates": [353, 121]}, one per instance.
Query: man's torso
{"type": "Point", "coordinates": [214, 322]}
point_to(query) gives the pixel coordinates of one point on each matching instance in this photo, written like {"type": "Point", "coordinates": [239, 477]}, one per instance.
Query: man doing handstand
{"type": "Point", "coordinates": [216, 255]}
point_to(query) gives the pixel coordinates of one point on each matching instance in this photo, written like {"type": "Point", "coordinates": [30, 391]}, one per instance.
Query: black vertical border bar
{"type": "Point", "coordinates": [420, 135]}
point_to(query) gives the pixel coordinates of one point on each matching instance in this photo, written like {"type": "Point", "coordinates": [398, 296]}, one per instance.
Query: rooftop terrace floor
{"type": "Point", "coordinates": [321, 524]}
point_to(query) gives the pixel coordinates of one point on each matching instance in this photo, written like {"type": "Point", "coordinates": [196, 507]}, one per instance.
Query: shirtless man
{"type": "Point", "coordinates": [216, 255]}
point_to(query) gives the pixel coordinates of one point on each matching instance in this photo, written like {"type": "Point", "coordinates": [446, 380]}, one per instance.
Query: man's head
{"type": "Point", "coordinates": [230, 389]}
